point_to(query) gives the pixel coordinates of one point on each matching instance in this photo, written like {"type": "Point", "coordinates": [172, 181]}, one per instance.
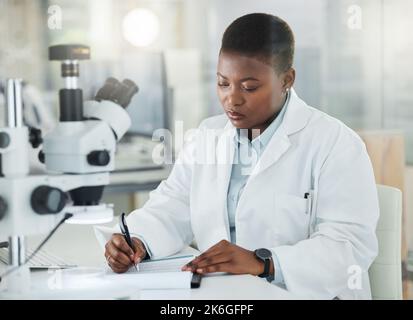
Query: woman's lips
{"type": "Point", "coordinates": [235, 115]}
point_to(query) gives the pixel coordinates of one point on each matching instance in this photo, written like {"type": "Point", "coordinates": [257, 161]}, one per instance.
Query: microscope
{"type": "Point", "coordinates": [78, 155]}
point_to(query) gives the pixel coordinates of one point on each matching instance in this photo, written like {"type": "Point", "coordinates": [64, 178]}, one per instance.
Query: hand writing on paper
{"type": "Point", "coordinates": [120, 256]}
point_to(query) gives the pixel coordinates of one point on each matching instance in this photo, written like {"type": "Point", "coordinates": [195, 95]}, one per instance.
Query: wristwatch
{"type": "Point", "coordinates": [266, 256]}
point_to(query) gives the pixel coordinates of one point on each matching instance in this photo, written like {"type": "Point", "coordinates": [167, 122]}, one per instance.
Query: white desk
{"type": "Point", "coordinates": [78, 244]}
{"type": "Point", "coordinates": [224, 287]}
{"type": "Point", "coordinates": [213, 287]}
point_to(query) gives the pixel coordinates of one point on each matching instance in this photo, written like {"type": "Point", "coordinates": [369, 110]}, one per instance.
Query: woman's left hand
{"type": "Point", "coordinates": [226, 257]}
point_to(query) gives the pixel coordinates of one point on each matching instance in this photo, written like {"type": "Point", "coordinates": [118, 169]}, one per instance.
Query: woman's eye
{"type": "Point", "coordinates": [250, 89]}
{"type": "Point", "coordinates": [222, 84]}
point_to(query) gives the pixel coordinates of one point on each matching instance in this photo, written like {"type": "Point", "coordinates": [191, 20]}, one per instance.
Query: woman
{"type": "Point", "coordinates": [289, 194]}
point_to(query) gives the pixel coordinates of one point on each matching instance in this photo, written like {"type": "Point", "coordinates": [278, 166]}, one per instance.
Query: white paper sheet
{"type": "Point", "coordinates": [164, 280]}
{"type": "Point", "coordinates": [162, 273]}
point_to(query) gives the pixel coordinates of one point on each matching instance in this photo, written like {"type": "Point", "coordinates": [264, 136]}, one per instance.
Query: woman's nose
{"type": "Point", "coordinates": [235, 99]}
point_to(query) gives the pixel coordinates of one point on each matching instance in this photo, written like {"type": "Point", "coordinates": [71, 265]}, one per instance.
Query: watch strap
{"type": "Point", "coordinates": [266, 272]}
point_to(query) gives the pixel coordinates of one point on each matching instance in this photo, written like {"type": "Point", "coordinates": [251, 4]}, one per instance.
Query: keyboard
{"type": "Point", "coordinates": [42, 260]}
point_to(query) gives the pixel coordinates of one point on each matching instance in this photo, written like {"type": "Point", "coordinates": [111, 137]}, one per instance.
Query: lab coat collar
{"type": "Point", "coordinates": [296, 116]}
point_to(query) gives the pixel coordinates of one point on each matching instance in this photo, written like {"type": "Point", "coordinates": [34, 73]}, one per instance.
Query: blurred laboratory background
{"type": "Point", "coordinates": [353, 60]}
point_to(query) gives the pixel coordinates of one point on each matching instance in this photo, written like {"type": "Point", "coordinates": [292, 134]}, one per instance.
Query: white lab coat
{"type": "Point", "coordinates": [321, 251]}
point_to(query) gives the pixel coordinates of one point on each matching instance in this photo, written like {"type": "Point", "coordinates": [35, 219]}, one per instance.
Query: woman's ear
{"type": "Point", "coordinates": [289, 78]}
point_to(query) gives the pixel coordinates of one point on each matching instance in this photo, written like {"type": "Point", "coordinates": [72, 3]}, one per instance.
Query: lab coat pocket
{"type": "Point", "coordinates": [291, 218]}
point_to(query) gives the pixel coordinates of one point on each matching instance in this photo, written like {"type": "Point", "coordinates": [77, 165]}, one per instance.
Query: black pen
{"type": "Point", "coordinates": [125, 231]}
{"type": "Point", "coordinates": [309, 199]}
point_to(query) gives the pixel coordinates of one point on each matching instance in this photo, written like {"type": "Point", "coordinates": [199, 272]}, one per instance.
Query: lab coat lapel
{"type": "Point", "coordinates": [277, 146]}
{"type": "Point", "coordinates": [296, 118]}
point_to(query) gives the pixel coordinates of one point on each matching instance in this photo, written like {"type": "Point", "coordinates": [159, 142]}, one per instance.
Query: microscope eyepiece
{"type": "Point", "coordinates": [120, 93]}
{"type": "Point", "coordinates": [106, 92]}
{"type": "Point", "coordinates": [127, 91]}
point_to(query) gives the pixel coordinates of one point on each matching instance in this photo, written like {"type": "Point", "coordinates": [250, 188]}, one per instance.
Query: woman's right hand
{"type": "Point", "coordinates": [120, 256]}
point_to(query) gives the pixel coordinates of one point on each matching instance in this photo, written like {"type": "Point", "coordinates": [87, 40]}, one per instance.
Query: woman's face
{"type": "Point", "coordinates": [250, 91]}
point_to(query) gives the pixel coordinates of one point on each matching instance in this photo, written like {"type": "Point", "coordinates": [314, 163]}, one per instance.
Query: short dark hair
{"type": "Point", "coordinates": [261, 35]}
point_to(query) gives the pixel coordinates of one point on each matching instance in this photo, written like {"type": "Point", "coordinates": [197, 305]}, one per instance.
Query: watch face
{"type": "Point", "coordinates": [263, 253]}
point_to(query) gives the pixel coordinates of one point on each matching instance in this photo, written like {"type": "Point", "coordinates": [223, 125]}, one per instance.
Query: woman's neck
{"type": "Point", "coordinates": [258, 130]}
